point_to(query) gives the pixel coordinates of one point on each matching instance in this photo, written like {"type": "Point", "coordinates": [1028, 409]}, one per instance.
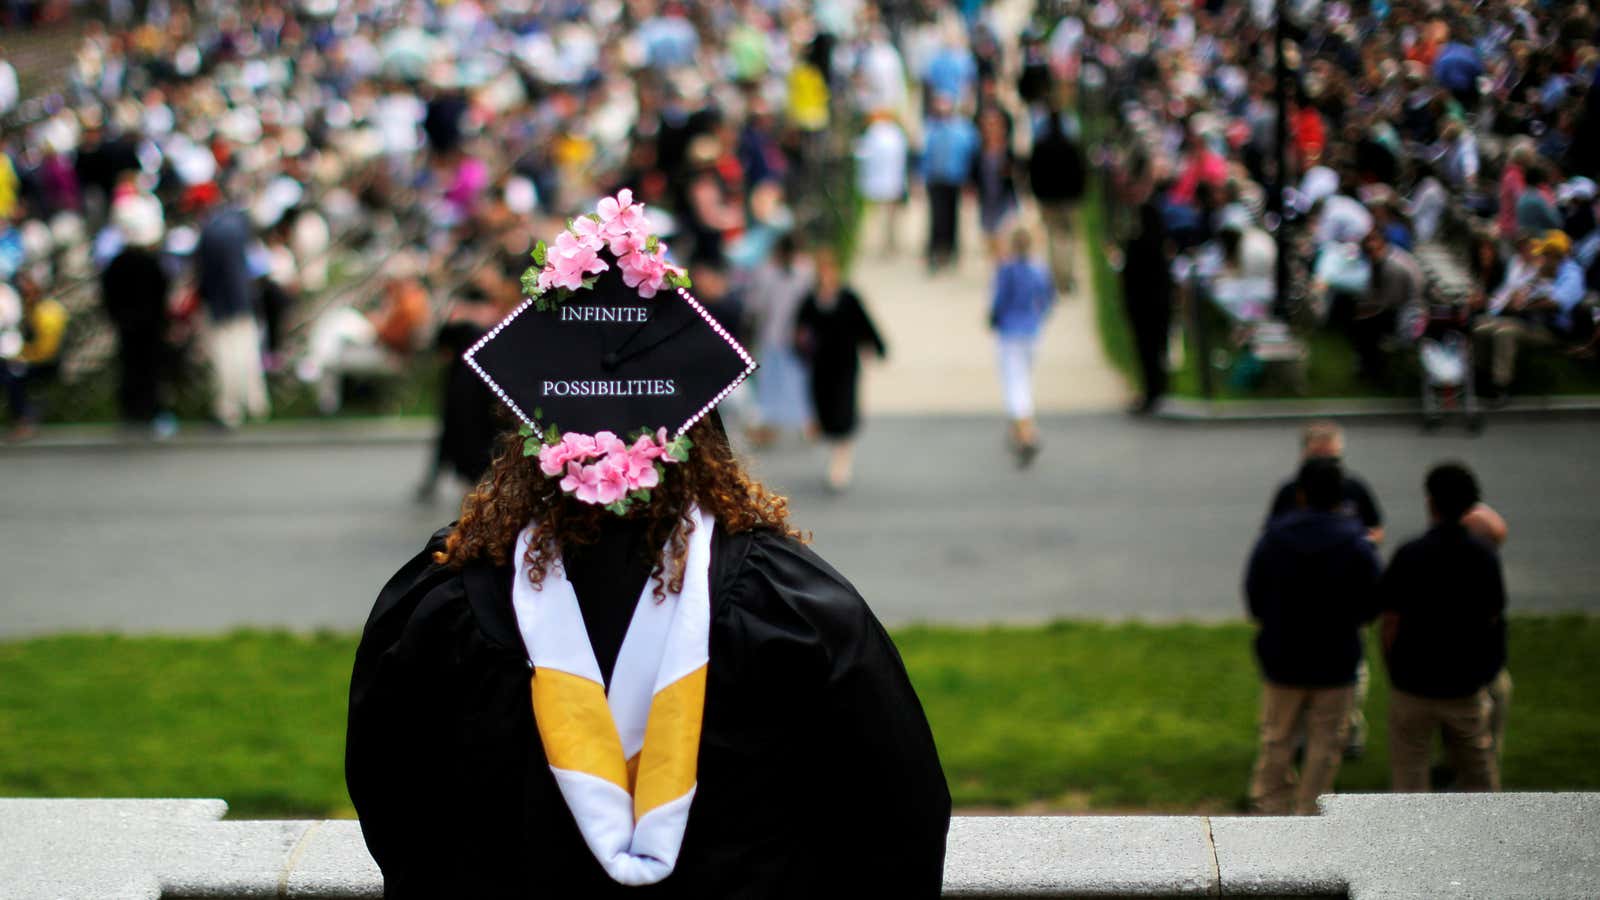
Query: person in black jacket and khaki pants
{"type": "Point", "coordinates": [1311, 586]}
{"type": "Point", "coordinates": [1444, 639]}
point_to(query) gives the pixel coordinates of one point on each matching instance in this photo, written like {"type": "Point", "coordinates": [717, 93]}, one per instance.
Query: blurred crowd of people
{"type": "Point", "coordinates": [296, 192]}
{"type": "Point", "coordinates": [272, 197]}
{"type": "Point", "coordinates": [1407, 124]}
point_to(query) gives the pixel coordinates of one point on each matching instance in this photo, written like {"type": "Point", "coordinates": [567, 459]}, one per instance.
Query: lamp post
{"type": "Point", "coordinates": [1280, 81]}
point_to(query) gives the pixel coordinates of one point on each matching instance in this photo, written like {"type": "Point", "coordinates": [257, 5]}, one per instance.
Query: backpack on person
{"type": "Point", "coordinates": [1056, 168]}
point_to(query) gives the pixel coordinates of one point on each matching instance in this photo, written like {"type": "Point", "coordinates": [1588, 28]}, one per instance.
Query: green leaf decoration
{"type": "Point", "coordinates": [643, 495]}
{"type": "Point", "coordinates": [537, 414]}
{"type": "Point", "coordinates": [620, 507]}
{"type": "Point", "coordinates": [530, 282]}
{"type": "Point", "coordinates": [527, 430]}
{"type": "Point", "coordinates": [590, 281]}
{"type": "Point", "coordinates": [678, 450]}
{"type": "Point", "coordinates": [541, 253]}
{"type": "Point", "coordinates": [594, 216]}
{"type": "Point", "coordinates": [552, 436]}
{"type": "Point", "coordinates": [531, 447]}
{"type": "Point", "coordinates": [651, 243]}
{"type": "Point", "coordinates": [679, 279]}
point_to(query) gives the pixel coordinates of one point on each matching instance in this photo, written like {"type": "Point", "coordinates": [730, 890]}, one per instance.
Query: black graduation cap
{"type": "Point", "coordinates": [607, 359]}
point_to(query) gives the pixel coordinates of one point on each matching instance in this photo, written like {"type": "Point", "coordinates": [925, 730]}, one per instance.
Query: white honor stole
{"type": "Point", "coordinates": [625, 759]}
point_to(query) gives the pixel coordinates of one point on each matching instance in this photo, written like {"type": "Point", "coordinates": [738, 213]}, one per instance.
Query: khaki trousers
{"type": "Point", "coordinates": [1504, 335]}
{"type": "Point", "coordinates": [1324, 713]}
{"type": "Point", "coordinates": [1500, 707]}
{"type": "Point", "coordinates": [240, 386]}
{"type": "Point", "coordinates": [1062, 250]}
{"type": "Point", "coordinates": [1466, 725]}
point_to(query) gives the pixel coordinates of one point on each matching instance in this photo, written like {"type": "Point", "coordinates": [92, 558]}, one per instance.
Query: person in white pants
{"type": "Point", "coordinates": [234, 346]}
{"type": "Point", "coordinates": [1023, 296]}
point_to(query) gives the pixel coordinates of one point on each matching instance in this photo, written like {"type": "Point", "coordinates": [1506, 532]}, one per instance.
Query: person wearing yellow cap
{"type": "Point", "coordinates": [1540, 313]}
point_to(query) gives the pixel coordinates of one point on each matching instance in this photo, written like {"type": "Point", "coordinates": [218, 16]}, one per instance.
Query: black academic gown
{"type": "Point", "coordinates": [818, 775]}
{"type": "Point", "coordinates": [833, 337]}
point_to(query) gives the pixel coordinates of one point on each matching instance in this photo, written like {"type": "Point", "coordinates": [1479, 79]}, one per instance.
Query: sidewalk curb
{"type": "Point", "coordinates": [1190, 410]}
{"type": "Point", "coordinates": [421, 429]}
{"type": "Point", "coordinates": [286, 433]}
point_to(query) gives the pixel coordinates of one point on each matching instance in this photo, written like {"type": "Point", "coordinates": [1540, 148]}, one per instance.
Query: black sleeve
{"type": "Point", "coordinates": [805, 327]}
{"type": "Point", "coordinates": [1394, 586]}
{"type": "Point", "coordinates": [1366, 577]}
{"type": "Point", "coordinates": [389, 753]}
{"type": "Point", "coordinates": [1256, 579]}
{"type": "Point", "coordinates": [1366, 505]}
{"type": "Point", "coordinates": [1283, 501]}
{"type": "Point", "coordinates": [866, 329]}
{"type": "Point", "coordinates": [887, 801]}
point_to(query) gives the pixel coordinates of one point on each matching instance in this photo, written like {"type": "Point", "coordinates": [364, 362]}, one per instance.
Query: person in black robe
{"type": "Point", "coordinates": [1147, 297]}
{"type": "Point", "coordinates": [831, 328]}
{"type": "Point", "coordinates": [512, 672]}
{"type": "Point", "coordinates": [817, 776]}
{"type": "Point", "coordinates": [134, 288]}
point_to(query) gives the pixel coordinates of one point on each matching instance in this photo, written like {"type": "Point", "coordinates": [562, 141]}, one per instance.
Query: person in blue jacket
{"type": "Point", "coordinates": [1312, 584]}
{"type": "Point", "coordinates": [1023, 296]}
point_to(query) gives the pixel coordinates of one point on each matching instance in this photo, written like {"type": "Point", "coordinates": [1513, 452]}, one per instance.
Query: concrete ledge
{"type": "Point", "coordinates": [1191, 409]}
{"type": "Point", "coordinates": [1363, 846]}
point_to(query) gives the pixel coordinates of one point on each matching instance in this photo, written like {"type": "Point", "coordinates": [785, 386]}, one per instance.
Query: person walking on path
{"type": "Point", "coordinates": [1311, 585]}
{"type": "Point", "coordinates": [948, 144]}
{"type": "Point", "coordinates": [227, 292]}
{"type": "Point", "coordinates": [1056, 176]}
{"type": "Point", "coordinates": [775, 290]}
{"type": "Point", "coordinates": [1023, 296]}
{"type": "Point", "coordinates": [880, 155]}
{"type": "Point", "coordinates": [830, 331]}
{"type": "Point", "coordinates": [994, 175]}
{"type": "Point", "coordinates": [134, 289]}
{"type": "Point", "coordinates": [1444, 641]}
{"type": "Point", "coordinates": [1147, 294]}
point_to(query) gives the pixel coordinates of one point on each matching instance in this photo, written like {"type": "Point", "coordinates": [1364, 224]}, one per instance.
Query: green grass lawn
{"type": "Point", "coordinates": [1072, 716]}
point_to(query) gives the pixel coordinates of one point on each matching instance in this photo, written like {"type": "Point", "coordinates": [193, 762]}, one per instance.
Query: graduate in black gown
{"type": "Point", "coordinates": [832, 327]}
{"type": "Point", "coordinates": [498, 739]}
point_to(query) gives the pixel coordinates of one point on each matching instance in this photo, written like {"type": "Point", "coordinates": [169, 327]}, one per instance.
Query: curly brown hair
{"type": "Point", "coordinates": [514, 493]}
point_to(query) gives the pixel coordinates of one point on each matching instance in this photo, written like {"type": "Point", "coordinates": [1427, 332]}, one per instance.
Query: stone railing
{"type": "Point", "coordinates": [1544, 846]}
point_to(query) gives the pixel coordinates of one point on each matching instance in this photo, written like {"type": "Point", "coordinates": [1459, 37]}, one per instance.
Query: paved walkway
{"type": "Point", "coordinates": [1118, 518]}
{"type": "Point", "coordinates": [941, 352]}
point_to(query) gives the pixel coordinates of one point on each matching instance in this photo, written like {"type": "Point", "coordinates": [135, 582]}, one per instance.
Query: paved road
{"type": "Point", "coordinates": [1117, 519]}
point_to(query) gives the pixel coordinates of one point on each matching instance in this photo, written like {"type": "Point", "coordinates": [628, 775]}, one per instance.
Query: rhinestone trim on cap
{"type": "Point", "coordinates": [470, 357]}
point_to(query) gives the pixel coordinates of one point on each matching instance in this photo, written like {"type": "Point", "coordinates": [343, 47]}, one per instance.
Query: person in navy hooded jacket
{"type": "Point", "coordinates": [1311, 586]}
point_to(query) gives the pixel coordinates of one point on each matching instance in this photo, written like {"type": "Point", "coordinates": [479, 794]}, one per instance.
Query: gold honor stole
{"type": "Point", "coordinates": [624, 759]}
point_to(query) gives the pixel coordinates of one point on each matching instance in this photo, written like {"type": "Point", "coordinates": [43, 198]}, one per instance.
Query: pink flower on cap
{"type": "Point", "coordinates": [611, 480]}
{"type": "Point", "coordinates": [582, 482]}
{"type": "Point", "coordinates": [588, 233]}
{"type": "Point", "coordinates": [622, 220]}
{"type": "Point", "coordinates": [571, 259]}
{"type": "Point", "coordinates": [645, 271]}
{"type": "Point", "coordinates": [641, 464]}
{"type": "Point", "coordinates": [553, 459]}
{"type": "Point", "coordinates": [608, 444]}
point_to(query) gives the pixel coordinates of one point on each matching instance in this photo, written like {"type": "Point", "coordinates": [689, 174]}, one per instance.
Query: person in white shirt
{"type": "Point", "coordinates": [881, 171]}
{"type": "Point", "coordinates": [8, 86]}
{"type": "Point", "coordinates": [880, 74]}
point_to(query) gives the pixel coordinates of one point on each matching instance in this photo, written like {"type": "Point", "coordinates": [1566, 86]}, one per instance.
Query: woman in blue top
{"type": "Point", "coordinates": [1023, 295]}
